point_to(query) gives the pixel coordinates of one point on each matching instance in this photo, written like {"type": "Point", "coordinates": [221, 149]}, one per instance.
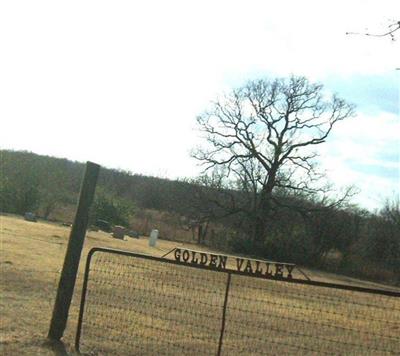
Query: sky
{"type": "Point", "coordinates": [120, 83]}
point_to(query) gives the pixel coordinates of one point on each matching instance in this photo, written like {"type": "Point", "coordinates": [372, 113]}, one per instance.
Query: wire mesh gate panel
{"type": "Point", "coordinates": [141, 305]}
{"type": "Point", "coordinates": [266, 317]}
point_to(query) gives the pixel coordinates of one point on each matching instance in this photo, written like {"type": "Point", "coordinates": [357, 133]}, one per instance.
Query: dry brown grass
{"type": "Point", "coordinates": [138, 306]}
{"type": "Point", "coordinates": [30, 261]}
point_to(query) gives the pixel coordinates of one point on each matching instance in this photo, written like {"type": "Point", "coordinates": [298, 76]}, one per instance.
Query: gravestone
{"type": "Point", "coordinates": [119, 232]}
{"type": "Point", "coordinates": [30, 217]}
{"type": "Point", "coordinates": [103, 225]}
{"type": "Point", "coordinates": [133, 234]}
{"type": "Point", "coordinates": [153, 238]}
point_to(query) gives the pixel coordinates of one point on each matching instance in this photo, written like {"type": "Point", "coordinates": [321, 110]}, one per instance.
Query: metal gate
{"type": "Point", "coordinates": [143, 305]}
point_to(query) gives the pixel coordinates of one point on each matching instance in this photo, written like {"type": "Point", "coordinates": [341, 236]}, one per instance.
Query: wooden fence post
{"type": "Point", "coordinates": [73, 254]}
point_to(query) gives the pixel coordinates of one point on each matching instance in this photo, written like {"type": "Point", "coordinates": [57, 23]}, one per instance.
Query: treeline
{"type": "Point", "coordinates": [340, 237]}
{"type": "Point", "coordinates": [41, 184]}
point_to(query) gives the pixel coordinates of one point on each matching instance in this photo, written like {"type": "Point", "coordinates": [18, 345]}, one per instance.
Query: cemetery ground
{"type": "Point", "coordinates": [31, 257]}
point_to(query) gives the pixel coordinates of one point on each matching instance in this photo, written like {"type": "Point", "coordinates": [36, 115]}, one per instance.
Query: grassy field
{"type": "Point", "coordinates": [30, 261]}
{"type": "Point", "coordinates": [136, 306]}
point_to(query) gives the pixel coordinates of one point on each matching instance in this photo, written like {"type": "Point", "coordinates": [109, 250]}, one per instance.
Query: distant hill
{"type": "Point", "coordinates": [36, 182]}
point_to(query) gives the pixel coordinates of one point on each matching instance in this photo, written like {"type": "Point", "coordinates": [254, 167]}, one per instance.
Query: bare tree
{"type": "Point", "coordinates": [388, 32]}
{"type": "Point", "coordinates": [264, 134]}
{"type": "Point", "coordinates": [212, 199]}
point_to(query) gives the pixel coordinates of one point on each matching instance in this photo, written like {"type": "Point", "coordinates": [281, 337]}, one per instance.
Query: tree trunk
{"type": "Point", "coordinates": [263, 211]}
{"type": "Point", "coordinates": [48, 210]}
{"type": "Point", "coordinates": [199, 234]}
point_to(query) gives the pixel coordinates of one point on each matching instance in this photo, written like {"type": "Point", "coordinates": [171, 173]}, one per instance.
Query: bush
{"type": "Point", "coordinates": [111, 208]}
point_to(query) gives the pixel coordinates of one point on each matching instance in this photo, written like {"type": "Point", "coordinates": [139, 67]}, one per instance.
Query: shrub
{"type": "Point", "coordinates": [109, 207]}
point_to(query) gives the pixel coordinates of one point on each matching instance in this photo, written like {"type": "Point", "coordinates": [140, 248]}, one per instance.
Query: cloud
{"type": "Point", "coordinates": [371, 93]}
{"type": "Point", "coordinates": [365, 151]}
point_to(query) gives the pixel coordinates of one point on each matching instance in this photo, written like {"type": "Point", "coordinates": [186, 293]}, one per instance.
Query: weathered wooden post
{"type": "Point", "coordinates": [71, 262]}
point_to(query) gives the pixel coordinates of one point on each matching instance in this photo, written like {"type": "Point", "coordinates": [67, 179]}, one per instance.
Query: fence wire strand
{"type": "Point", "coordinates": [141, 306]}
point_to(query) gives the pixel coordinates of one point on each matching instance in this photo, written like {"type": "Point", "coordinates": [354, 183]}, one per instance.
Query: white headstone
{"type": "Point", "coordinates": [153, 237]}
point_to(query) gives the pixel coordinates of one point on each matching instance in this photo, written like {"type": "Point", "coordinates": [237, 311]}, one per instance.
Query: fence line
{"type": "Point", "coordinates": [133, 303]}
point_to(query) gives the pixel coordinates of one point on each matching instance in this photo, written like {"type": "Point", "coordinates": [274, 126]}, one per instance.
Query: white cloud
{"type": "Point", "coordinates": [372, 142]}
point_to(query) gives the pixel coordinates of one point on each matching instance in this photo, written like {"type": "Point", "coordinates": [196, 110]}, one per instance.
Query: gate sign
{"type": "Point", "coordinates": [244, 265]}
